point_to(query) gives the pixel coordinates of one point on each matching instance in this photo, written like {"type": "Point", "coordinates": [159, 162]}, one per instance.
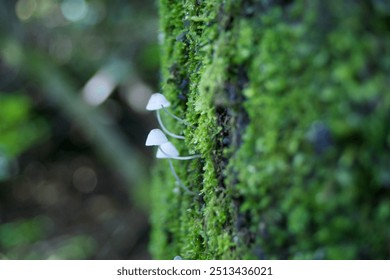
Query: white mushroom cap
{"type": "Point", "coordinates": [155, 138]}
{"type": "Point", "coordinates": [157, 101]}
{"type": "Point", "coordinates": [167, 150]}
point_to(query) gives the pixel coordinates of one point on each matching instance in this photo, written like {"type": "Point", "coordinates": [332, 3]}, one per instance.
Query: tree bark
{"type": "Point", "coordinates": [288, 104]}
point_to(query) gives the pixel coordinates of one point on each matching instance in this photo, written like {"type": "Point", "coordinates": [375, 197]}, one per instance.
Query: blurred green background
{"type": "Point", "coordinates": [75, 76]}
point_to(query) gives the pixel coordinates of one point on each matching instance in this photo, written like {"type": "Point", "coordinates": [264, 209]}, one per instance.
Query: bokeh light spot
{"type": "Point", "coordinates": [137, 96]}
{"type": "Point", "coordinates": [85, 179]}
{"type": "Point", "coordinates": [25, 9]}
{"type": "Point", "coordinates": [12, 53]}
{"type": "Point", "coordinates": [74, 10]}
{"type": "Point", "coordinates": [98, 88]}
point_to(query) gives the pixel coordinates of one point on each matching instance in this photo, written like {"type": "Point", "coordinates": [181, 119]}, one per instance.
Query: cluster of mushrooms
{"type": "Point", "coordinates": [156, 137]}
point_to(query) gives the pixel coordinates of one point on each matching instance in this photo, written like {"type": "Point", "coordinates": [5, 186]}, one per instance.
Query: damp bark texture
{"type": "Point", "coordinates": [288, 103]}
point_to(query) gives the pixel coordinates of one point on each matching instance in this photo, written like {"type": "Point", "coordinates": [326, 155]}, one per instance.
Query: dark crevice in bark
{"type": "Point", "coordinates": [232, 119]}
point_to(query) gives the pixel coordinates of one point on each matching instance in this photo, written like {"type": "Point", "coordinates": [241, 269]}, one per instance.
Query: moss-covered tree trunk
{"type": "Point", "coordinates": [288, 103]}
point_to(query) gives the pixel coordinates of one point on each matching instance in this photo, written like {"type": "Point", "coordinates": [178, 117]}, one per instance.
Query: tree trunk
{"type": "Point", "coordinates": [288, 104]}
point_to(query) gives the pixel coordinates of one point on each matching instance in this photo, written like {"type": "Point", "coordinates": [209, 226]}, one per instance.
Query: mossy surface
{"type": "Point", "coordinates": [288, 103]}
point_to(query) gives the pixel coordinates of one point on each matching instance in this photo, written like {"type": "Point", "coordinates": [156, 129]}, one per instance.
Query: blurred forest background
{"type": "Point", "coordinates": [75, 76]}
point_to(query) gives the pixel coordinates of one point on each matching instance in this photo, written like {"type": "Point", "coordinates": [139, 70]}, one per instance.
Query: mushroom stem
{"type": "Point", "coordinates": [178, 179]}
{"type": "Point", "coordinates": [165, 129]}
{"type": "Point", "coordinates": [179, 158]}
{"type": "Point", "coordinates": [173, 116]}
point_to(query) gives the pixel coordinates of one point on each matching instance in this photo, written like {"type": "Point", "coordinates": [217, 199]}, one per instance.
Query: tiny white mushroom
{"type": "Point", "coordinates": [157, 102]}
{"type": "Point", "coordinates": [155, 138]}
{"type": "Point", "coordinates": [168, 150]}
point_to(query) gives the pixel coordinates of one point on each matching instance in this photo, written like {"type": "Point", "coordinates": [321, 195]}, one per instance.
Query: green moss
{"type": "Point", "coordinates": [288, 106]}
